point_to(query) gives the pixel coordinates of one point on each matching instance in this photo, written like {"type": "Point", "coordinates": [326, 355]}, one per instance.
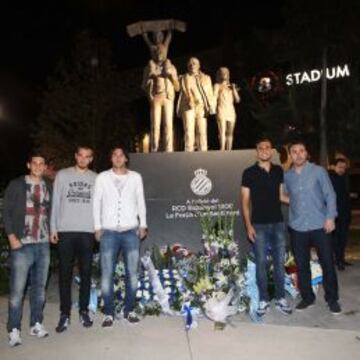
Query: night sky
{"type": "Point", "coordinates": [34, 35]}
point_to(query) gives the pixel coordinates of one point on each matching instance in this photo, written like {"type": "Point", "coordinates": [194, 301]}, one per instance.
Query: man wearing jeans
{"type": "Point", "coordinates": [26, 214]}
{"type": "Point", "coordinates": [72, 229]}
{"type": "Point", "coordinates": [120, 224]}
{"type": "Point", "coordinates": [312, 213]}
{"type": "Point", "coordinates": [261, 191]}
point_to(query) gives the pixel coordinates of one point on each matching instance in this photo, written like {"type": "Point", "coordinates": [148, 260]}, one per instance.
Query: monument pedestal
{"type": "Point", "coordinates": [181, 187]}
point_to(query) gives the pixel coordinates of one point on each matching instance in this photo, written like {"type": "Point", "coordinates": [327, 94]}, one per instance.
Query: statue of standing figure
{"type": "Point", "coordinates": [160, 82]}
{"type": "Point", "coordinates": [160, 79]}
{"type": "Point", "coordinates": [196, 102]}
{"type": "Point", "coordinates": [226, 94]}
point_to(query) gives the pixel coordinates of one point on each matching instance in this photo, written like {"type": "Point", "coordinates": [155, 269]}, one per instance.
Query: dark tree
{"type": "Point", "coordinates": [88, 102]}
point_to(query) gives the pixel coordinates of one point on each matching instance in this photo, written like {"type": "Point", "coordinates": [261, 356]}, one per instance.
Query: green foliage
{"type": "Point", "coordinates": [150, 309]}
{"type": "Point", "coordinates": [161, 258]}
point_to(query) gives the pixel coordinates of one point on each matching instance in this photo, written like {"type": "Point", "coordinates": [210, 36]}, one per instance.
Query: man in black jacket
{"type": "Point", "coordinates": [340, 183]}
{"type": "Point", "coordinates": [26, 214]}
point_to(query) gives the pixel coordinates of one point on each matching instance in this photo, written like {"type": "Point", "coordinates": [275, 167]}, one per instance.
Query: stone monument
{"type": "Point", "coordinates": [195, 103]}
{"type": "Point", "coordinates": [160, 79]}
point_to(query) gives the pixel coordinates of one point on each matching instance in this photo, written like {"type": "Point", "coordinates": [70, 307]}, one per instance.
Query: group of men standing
{"type": "Point", "coordinates": [309, 192]}
{"type": "Point", "coordinates": [79, 205]}
{"type": "Point", "coordinates": [82, 206]}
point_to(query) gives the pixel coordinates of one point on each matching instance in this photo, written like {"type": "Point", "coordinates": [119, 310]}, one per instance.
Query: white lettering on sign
{"type": "Point", "coordinates": [307, 77]}
{"type": "Point", "coordinates": [194, 208]}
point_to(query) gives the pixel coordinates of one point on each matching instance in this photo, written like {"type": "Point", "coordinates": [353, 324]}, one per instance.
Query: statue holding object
{"type": "Point", "coordinates": [226, 95]}
{"type": "Point", "coordinates": [160, 79]}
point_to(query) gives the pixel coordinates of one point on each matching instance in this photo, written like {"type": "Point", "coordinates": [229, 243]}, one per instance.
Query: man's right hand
{"type": "Point", "coordinates": [14, 242]}
{"type": "Point", "coordinates": [98, 234]}
{"type": "Point", "coordinates": [54, 238]}
{"type": "Point", "coordinates": [251, 233]}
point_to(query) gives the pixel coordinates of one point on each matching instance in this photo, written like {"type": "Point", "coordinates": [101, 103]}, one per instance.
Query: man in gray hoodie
{"type": "Point", "coordinates": [72, 228]}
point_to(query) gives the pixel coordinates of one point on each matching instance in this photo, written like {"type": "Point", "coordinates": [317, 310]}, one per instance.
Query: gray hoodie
{"type": "Point", "coordinates": [72, 201]}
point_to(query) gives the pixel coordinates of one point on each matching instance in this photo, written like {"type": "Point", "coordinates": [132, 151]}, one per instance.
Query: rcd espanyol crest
{"type": "Point", "coordinates": [201, 184]}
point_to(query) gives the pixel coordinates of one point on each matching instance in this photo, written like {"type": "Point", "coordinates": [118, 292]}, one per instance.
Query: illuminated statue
{"type": "Point", "coordinates": [160, 79]}
{"type": "Point", "coordinates": [226, 94]}
{"type": "Point", "coordinates": [159, 47]}
{"type": "Point", "coordinates": [196, 102]}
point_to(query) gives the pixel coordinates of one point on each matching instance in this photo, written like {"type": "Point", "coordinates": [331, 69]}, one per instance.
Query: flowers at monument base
{"type": "Point", "coordinates": [180, 250]}
{"type": "Point", "coordinates": [214, 286]}
{"type": "Point", "coordinates": [191, 288]}
{"type": "Point", "coordinates": [218, 308]}
{"type": "Point", "coordinates": [190, 314]}
{"type": "Point", "coordinates": [158, 291]}
{"type": "Point", "coordinates": [213, 283]}
{"type": "Point", "coordinates": [214, 277]}
{"type": "Point", "coordinates": [251, 290]}
{"type": "Point", "coordinates": [315, 268]}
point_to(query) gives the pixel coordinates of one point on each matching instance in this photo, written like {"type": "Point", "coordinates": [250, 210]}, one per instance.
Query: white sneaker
{"type": "Point", "coordinates": [263, 307]}
{"type": "Point", "coordinates": [38, 330]}
{"type": "Point", "coordinates": [14, 338]}
{"type": "Point", "coordinates": [283, 306]}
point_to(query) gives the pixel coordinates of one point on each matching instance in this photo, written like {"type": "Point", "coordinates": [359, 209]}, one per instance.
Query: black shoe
{"type": "Point", "coordinates": [334, 307]}
{"type": "Point", "coordinates": [302, 305]}
{"type": "Point", "coordinates": [63, 323]}
{"type": "Point", "coordinates": [341, 267]}
{"type": "Point", "coordinates": [132, 318]}
{"type": "Point", "coordinates": [108, 321]}
{"type": "Point", "coordinates": [345, 263]}
{"type": "Point", "coordinates": [85, 319]}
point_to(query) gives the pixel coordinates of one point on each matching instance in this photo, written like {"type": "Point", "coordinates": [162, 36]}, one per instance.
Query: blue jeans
{"type": "Point", "coordinates": [33, 259]}
{"type": "Point", "coordinates": [270, 236]}
{"type": "Point", "coordinates": [111, 243]}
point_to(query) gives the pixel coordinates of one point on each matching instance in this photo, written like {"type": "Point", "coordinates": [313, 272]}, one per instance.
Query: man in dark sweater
{"type": "Point", "coordinates": [340, 182]}
{"type": "Point", "coordinates": [261, 208]}
{"type": "Point", "coordinates": [26, 214]}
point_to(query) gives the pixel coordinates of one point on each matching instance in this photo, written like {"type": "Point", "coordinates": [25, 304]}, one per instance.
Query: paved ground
{"type": "Point", "coordinates": [313, 334]}
{"type": "Point", "coordinates": [164, 338]}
